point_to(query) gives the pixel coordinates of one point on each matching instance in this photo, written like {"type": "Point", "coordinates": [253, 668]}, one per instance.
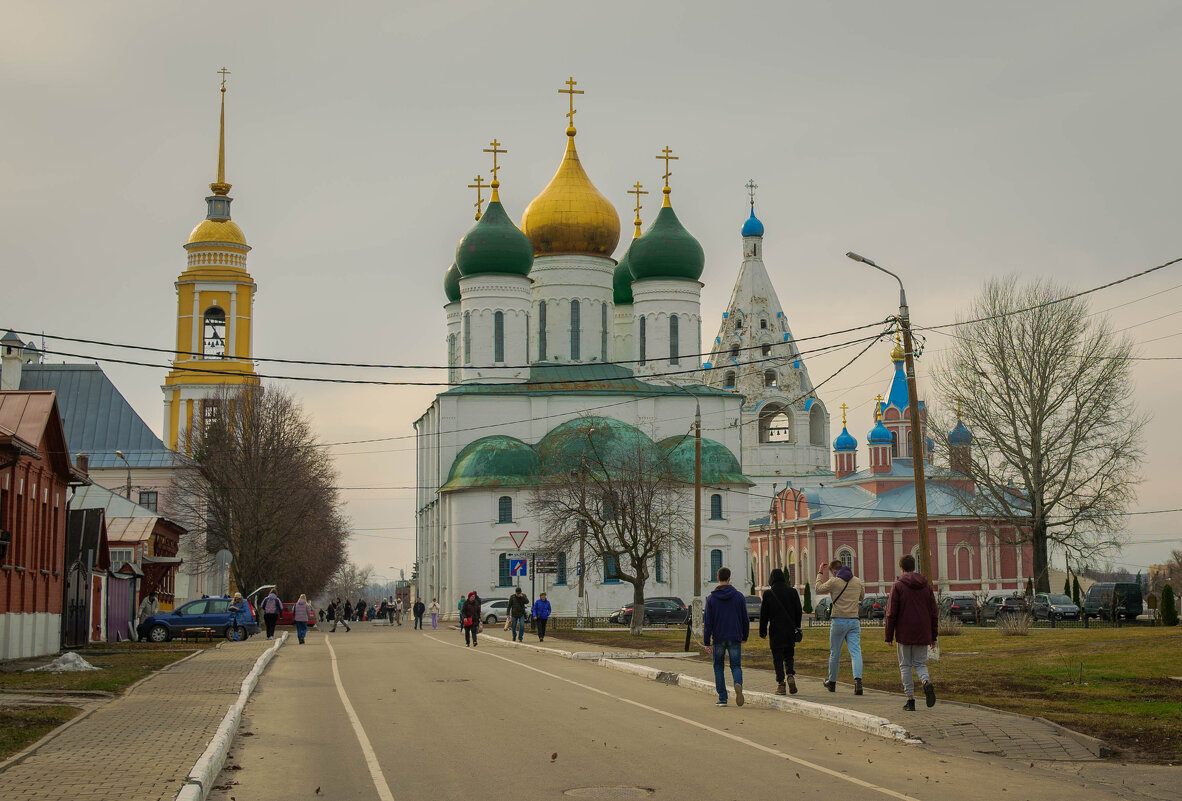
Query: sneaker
{"type": "Point", "coordinates": [909, 706]}
{"type": "Point", "coordinates": [831, 686]}
{"type": "Point", "coordinates": [738, 695]}
{"type": "Point", "coordinates": [720, 703]}
{"type": "Point", "coordinates": [781, 689]}
{"type": "Point", "coordinates": [857, 686]}
{"type": "Point", "coordinates": [929, 693]}
{"type": "Point", "coordinates": [792, 684]}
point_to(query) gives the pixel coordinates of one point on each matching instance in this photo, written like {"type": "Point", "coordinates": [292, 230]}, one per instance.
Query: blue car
{"type": "Point", "coordinates": [204, 613]}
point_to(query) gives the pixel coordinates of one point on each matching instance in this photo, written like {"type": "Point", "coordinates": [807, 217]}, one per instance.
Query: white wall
{"type": "Point", "coordinates": [30, 634]}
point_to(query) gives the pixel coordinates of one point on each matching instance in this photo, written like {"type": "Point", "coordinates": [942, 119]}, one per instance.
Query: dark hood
{"type": "Point", "coordinates": [916, 581]}
{"type": "Point", "coordinates": [776, 577]}
{"type": "Point", "coordinates": [726, 591]}
{"type": "Point", "coordinates": [845, 574]}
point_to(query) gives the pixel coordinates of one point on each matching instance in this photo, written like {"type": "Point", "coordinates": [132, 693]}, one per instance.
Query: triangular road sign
{"type": "Point", "coordinates": [518, 537]}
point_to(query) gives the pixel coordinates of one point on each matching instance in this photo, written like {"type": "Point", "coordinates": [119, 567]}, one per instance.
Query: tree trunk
{"type": "Point", "coordinates": [637, 608]}
{"type": "Point", "coordinates": [1038, 539]}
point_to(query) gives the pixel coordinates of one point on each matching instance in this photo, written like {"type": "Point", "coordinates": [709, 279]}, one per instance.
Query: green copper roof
{"type": "Point", "coordinates": [496, 461]}
{"type": "Point", "coordinates": [622, 280]}
{"type": "Point", "coordinates": [451, 283]}
{"type": "Point", "coordinates": [666, 250]}
{"type": "Point", "coordinates": [595, 441]}
{"type": "Point", "coordinates": [494, 246]}
{"type": "Point", "coordinates": [584, 379]}
{"type": "Point", "coordinates": [719, 465]}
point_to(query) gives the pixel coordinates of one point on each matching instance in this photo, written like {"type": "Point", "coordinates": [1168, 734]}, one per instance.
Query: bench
{"type": "Point", "coordinates": [197, 634]}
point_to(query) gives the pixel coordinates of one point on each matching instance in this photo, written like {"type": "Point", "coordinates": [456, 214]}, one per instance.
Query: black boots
{"type": "Point", "coordinates": [858, 687]}
{"type": "Point", "coordinates": [909, 706]}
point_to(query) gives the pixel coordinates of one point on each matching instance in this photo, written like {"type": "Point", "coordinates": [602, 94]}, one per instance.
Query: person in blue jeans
{"type": "Point", "coordinates": [847, 591]}
{"type": "Point", "coordinates": [725, 622]}
{"type": "Point", "coordinates": [237, 607]}
{"type": "Point", "coordinates": [518, 608]}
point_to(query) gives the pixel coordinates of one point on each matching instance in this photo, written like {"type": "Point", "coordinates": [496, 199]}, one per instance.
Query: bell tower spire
{"type": "Point", "coordinates": [220, 187]}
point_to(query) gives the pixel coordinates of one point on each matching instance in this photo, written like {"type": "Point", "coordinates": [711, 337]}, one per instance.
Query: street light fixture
{"type": "Point", "coordinates": [124, 458]}
{"type": "Point", "coordinates": [921, 495]}
{"type": "Point", "coordinates": [696, 604]}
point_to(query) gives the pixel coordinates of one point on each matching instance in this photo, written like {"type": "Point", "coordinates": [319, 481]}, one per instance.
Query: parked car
{"type": "Point", "coordinates": [823, 610]}
{"type": "Point", "coordinates": [494, 610]}
{"type": "Point", "coordinates": [287, 616]}
{"type": "Point", "coordinates": [997, 606]}
{"type": "Point", "coordinates": [959, 607]}
{"type": "Point", "coordinates": [204, 613]}
{"type": "Point", "coordinates": [873, 607]}
{"type": "Point", "coordinates": [1048, 605]}
{"type": "Point", "coordinates": [754, 603]}
{"type": "Point", "coordinates": [1099, 600]}
{"type": "Point", "coordinates": [667, 610]}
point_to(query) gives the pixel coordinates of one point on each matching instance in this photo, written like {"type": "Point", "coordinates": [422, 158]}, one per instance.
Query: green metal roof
{"type": "Point", "coordinates": [719, 465]}
{"type": "Point", "coordinates": [595, 441]}
{"type": "Point", "coordinates": [494, 246]}
{"type": "Point", "coordinates": [666, 250]}
{"type": "Point", "coordinates": [496, 461]}
{"type": "Point", "coordinates": [606, 379]}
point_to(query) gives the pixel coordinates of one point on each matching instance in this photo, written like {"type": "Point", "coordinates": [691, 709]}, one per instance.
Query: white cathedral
{"type": "Point", "coordinates": [544, 330]}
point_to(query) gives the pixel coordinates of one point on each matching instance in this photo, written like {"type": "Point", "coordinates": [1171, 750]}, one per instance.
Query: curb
{"type": "Point", "coordinates": [1099, 748]}
{"type": "Point", "coordinates": [205, 771]}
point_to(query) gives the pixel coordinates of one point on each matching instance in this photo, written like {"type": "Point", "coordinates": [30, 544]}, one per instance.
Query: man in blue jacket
{"type": "Point", "coordinates": [725, 622]}
{"type": "Point", "coordinates": [541, 613]}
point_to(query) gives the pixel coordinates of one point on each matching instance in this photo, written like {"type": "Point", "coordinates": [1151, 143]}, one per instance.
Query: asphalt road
{"type": "Point", "coordinates": [416, 715]}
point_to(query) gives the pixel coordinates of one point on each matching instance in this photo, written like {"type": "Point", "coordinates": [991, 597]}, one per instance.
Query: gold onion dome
{"type": "Point", "coordinates": [570, 216]}
{"type": "Point", "coordinates": [898, 354]}
{"type": "Point", "coordinates": [217, 231]}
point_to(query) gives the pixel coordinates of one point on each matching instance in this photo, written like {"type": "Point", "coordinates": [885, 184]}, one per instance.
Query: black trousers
{"type": "Point", "coordinates": [270, 618]}
{"type": "Point", "coordinates": [540, 622]}
{"type": "Point", "coordinates": [470, 633]}
{"type": "Point", "coordinates": [783, 654]}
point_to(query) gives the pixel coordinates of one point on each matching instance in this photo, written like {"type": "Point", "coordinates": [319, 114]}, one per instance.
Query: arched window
{"type": "Point", "coordinates": [643, 340]}
{"type": "Point", "coordinates": [729, 383]}
{"type": "Point", "coordinates": [660, 568]}
{"type": "Point", "coordinates": [894, 443]}
{"type": "Point", "coordinates": [467, 337]}
{"type": "Point", "coordinates": [738, 323]}
{"type": "Point", "coordinates": [541, 330]}
{"type": "Point", "coordinates": [775, 425]}
{"type": "Point", "coordinates": [816, 424]}
{"type": "Point", "coordinates": [505, 509]}
{"type": "Point", "coordinates": [766, 350]}
{"type": "Point", "coordinates": [763, 322]}
{"type": "Point", "coordinates": [716, 506]}
{"type": "Point", "coordinates": [575, 331]}
{"type": "Point", "coordinates": [499, 336]}
{"type": "Point", "coordinates": [213, 340]}
{"type": "Point", "coordinates": [673, 348]}
{"type": "Point", "coordinates": [769, 378]}
{"type": "Point", "coordinates": [560, 578]}
{"type": "Point", "coordinates": [964, 563]}
{"type": "Point", "coordinates": [608, 506]}
{"type": "Point", "coordinates": [847, 557]}
{"type": "Point", "coordinates": [735, 352]}
{"type": "Point", "coordinates": [611, 568]}
{"type": "Point", "coordinates": [603, 332]}
{"type": "Point", "coordinates": [715, 563]}
{"type": "Point", "coordinates": [503, 577]}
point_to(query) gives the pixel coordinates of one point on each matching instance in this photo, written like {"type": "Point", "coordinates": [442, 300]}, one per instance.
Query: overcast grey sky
{"type": "Point", "coordinates": [951, 141]}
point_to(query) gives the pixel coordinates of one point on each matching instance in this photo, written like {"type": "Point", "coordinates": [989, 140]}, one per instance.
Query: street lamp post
{"type": "Point", "coordinates": [124, 458]}
{"type": "Point", "coordinates": [696, 607]}
{"type": "Point", "coordinates": [921, 496]}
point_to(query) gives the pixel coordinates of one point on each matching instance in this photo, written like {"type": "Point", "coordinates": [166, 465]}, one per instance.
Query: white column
{"type": "Point", "coordinates": [942, 558]}
{"type": "Point", "coordinates": [195, 343]}
{"type": "Point", "coordinates": [882, 574]}
{"type": "Point", "coordinates": [232, 324]}
{"type": "Point", "coordinates": [861, 563]}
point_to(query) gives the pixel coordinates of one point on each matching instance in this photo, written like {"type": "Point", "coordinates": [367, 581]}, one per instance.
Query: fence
{"type": "Point", "coordinates": [981, 623]}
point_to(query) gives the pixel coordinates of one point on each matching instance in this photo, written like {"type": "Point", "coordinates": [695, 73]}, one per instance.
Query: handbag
{"type": "Point", "coordinates": [934, 652]}
{"type": "Point", "coordinates": [479, 628]}
{"type": "Point", "coordinates": [467, 621]}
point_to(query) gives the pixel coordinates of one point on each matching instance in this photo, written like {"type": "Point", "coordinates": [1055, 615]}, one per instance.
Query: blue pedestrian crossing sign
{"type": "Point", "coordinates": [517, 567]}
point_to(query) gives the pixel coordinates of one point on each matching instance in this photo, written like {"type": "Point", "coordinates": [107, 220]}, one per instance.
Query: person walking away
{"type": "Point", "coordinates": [301, 615]}
{"type": "Point", "coordinates": [419, 609]}
{"type": "Point", "coordinates": [847, 591]}
{"type": "Point", "coordinates": [518, 605]}
{"type": "Point", "coordinates": [348, 613]}
{"type": "Point", "coordinates": [541, 613]}
{"type": "Point", "coordinates": [780, 615]}
{"type": "Point", "coordinates": [148, 607]}
{"type": "Point", "coordinates": [322, 614]}
{"type": "Point", "coordinates": [359, 610]}
{"type": "Point", "coordinates": [272, 606]}
{"type": "Point", "coordinates": [237, 607]}
{"type": "Point", "coordinates": [433, 608]}
{"type": "Point", "coordinates": [337, 613]}
{"type": "Point", "coordinates": [726, 623]}
{"type": "Point", "coordinates": [470, 618]}
{"type": "Point", "coordinates": [383, 612]}
{"type": "Point", "coordinates": [913, 621]}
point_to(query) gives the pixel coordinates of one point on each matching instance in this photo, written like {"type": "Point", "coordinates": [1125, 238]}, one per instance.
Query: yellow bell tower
{"type": "Point", "coordinates": [215, 312]}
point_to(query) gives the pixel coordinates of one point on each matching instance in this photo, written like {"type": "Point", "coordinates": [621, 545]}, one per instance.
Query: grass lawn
{"type": "Point", "coordinates": [22, 725]}
{"type": "Point", "coordinates": [122, 664]}
{"type": "Point", "coordinates": [1126, 697]}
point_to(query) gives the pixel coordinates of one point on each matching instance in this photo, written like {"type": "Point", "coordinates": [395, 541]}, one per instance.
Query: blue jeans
{"type": "Point", "coordinates": [301, 630]}
{"type": "Point", "coordinates": [517, 627]}
{"type": "Point", "coordinates": [734, 651]}
{"type": "Point", "coordinates": [848, 630]}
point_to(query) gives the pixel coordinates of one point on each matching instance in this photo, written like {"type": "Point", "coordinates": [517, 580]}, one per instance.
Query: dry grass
{"type": "Point", "coordinates": [950, 627]}
{"type": "Point", "coordinates": [121, 664]}
{"type": "Point", "coordinates": [20, 726]}
{"type": "Point", "coordinates": [1014, 625]}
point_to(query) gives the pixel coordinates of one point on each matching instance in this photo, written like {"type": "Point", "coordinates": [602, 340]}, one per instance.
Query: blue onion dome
{"type": "Point", "coordinates": [622, 280]}
{"type": "Point", "coordinates": [959, 435]}
{"type": "Point", "coordinates": [666, 250]}
{"type": "Point", "coordinates": [451, 283]}
{"type": "Point", "coordinates": [753, 227]}
{"type": "Point", "coordinates": [880, 435]}
{"type": "Point", "coordinates": [494, 246]}
{"type": "Point", "coordinates": [845, 441]}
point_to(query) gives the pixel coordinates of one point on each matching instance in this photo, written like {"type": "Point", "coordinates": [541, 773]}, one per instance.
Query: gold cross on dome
{"type": "Point", "coordinates": [638, 190]}
{"type": "Point", "coordinates": [751, 187]}
{"type": "Point", "coordinates": [878, 407]}
{"type": "Point", "coordinates": [843, 408]}
{"type": "Point", "coordinates": [478, 186]}
{"type": "Point", "coordinates": [223, 72]}
{"type": "Point", "coordinates": [571, 83]}
{"type": "Point", "coordinates": [494, 148]}
{"type": "Point", "coordinates": [666, 154]}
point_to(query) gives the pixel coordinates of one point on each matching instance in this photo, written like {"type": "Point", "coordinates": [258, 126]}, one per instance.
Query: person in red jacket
{"type": "Point", "coordinates": [914, 622]}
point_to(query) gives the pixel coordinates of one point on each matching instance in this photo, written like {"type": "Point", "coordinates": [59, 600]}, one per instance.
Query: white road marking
{"type": "Point", "coordinates": [371, 759]}
{"type": "Point", "coordinates": [751, 743]}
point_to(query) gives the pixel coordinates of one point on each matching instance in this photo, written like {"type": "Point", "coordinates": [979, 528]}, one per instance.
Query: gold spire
{"type": "Point", "coordinates": [638, 190]}
{"type": "Point", "coordinates": [665, 154]}
{"type": "Point", "coordinates": [220, 187]}
{"type": "Point", "coordinates": [898, 354]}
{"type": "Point", "coordinates": [878, 408]}
{"type": "Point", "coordinates": [571, 83]}
{"type": "Point", "coordinates": [843, 408]}
{"type": "Point", "coordinates": [479, 204]}
{"type": "Point", "coordinates": [958, 408]}
{"type": "Point", "coordinates": [494, 148]}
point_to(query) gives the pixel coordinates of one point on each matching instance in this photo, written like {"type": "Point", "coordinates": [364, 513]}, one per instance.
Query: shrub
{"type": "Point", "coordinates": [808, 599]}
{"type": "Point", "coordinates": [950, 627]}
{"type": "Point", "coordinates": [1030, 586]}
{"type": "Point", "coordinates": [1067, 587]}
{"type": "Point", "coordinates": [1014, 625]}
{"type": "Point", "coordinates": [1075, 593]}
{"type": "Point", "coordinates": [1169, 606]}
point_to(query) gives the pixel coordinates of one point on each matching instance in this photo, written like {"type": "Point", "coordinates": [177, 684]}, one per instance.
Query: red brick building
{"type": "Point", "coordinates": [35, 480]}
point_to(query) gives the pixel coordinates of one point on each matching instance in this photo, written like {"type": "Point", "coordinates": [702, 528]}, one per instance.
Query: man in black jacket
{"type": "Point", "coordinates": [780, 615]}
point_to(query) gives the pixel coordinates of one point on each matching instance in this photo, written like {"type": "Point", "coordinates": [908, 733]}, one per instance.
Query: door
{"type": "Point", "coordinates": [217, 614]}
{"type": "Point", "coordinates": [75, 633]}
{"type": "Point", "coordinates": [119, 604]}
{"type": "Point", "coordinates": [187, 617]}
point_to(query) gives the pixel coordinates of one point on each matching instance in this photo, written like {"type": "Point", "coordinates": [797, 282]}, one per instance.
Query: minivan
{"type": "Point", "coordinates": [1127, 594]}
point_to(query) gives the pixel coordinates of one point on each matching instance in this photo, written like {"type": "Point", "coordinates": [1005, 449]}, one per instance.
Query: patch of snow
{"type": "Point", "coordinates": [69, 662]}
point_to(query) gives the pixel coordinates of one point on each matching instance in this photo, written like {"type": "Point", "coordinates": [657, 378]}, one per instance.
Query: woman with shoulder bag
{"type": "Point", "coordinates": [780, 616]}
{"type": "Point", "coordinates": [470, 618]}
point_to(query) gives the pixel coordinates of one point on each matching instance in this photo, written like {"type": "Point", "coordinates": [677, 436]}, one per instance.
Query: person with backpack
{"type": "Point", "coordinates": [847, 591]}
{"type": "Point", "coordinates": [272, 606]}
{"type": "Point", "coordinates": [780, 615]}
{"type": "Point", "coordinates": [913, 620]}
{"type": "Point", "coordinates": [302, 615]}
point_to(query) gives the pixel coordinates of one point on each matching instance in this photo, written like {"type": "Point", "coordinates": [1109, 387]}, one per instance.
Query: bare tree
{"type": "Point", "coordinates": [349, 582]}
{"type": "Point", "coordinates": [616, 495]}
{"type": "Point", "coordinates": [258, 485]}
{"type": "Point", "coordinates": [1046, 389]}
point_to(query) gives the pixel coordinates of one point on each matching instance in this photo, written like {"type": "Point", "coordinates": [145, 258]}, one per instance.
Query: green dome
{"type": "Point", "coordinates": [595, 441]}
{"type": "Point", "coordinates": [719, 465]}
{"type": "Point", "coordinates": [496, 461]}
{"type": "Point", "coordinates": [666, 250]}
{"type": "Point", "coordinates": [494, 246]}
{"type": "Point", "coordinates": [622, 280]}
{"type": "Point", "coordinates": [451, 283]}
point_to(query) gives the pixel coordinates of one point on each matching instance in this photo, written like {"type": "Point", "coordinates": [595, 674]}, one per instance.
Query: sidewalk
{"type": "Point", "coordinates": [949, 726]}
{"type": "Point", "coordinates": [140, 746]}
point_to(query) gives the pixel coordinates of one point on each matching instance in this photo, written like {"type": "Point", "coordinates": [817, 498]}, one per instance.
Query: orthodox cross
{"type": "Point", "coordinates": [223, 72]}
{"type": "Point", "coordinates": [478, 186]}
{"type": "Point", "coordinates": [751, 187]}
{"type": "Point", "coordinates": [638, 190]}
{"type": "Point", "coordinates": [665, 154]}
{"type": "Point", "coordinates": [843, 408]}
{"type": "Point", "coordinates": [878, 407]}
{"type": "Point", "coordinates": [495, 150]}
{"type": "Point", "coordinates": [571, 83]}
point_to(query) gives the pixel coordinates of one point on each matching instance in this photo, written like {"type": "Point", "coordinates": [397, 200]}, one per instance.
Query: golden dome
{"type": "Point", "coordinates": [570, 216]}
{"type": "Point", "coordinates": [898, 354]}
{"type": "Point", "coordinates": [217, 231]}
